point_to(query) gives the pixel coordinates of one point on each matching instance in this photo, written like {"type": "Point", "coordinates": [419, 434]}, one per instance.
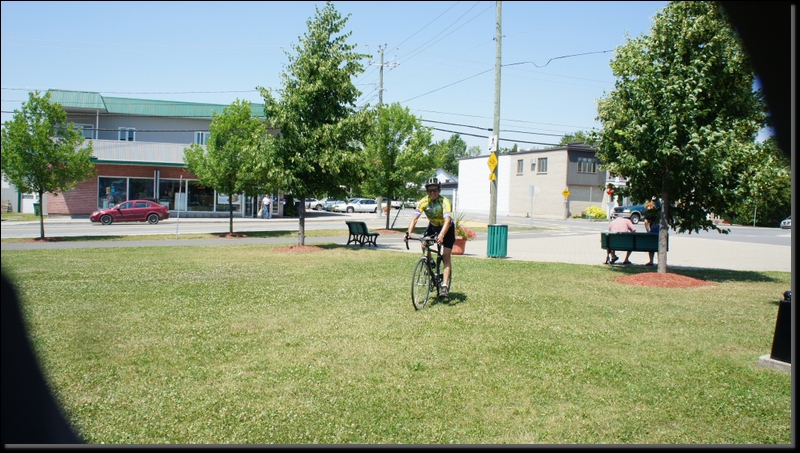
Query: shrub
{"type": "Point", "coordinates": [594, 212]}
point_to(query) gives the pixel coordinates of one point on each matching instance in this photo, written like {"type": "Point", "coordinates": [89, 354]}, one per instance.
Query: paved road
{"type": "Point", "coordinates": [567, 241]}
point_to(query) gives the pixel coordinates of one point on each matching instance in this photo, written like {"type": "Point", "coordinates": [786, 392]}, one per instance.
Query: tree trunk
{"type": "Point", "coordinates": [663, 234]}
{"type": "Point", "coordinates": [41, 213]}
{"type": "Point", "coordinates": [388, 210]}
{"type": "Point", "coordinates": [301, 214]}
{"type": "Point", "coordinates": [230, 214]}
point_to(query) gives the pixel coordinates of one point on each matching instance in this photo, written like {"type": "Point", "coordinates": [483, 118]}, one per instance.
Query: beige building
{"type": "Point", "coordinates": [532, 183]}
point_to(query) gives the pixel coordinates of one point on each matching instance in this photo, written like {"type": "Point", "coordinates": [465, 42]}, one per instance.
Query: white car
{"type": "Point", "coordinates": [787, 222]}
{"type": "Point", "coordinates": [358, 205]}
{"type": "Point", "coordinates": [396, 204]}
{"type": "Point", "coordinates": [313, 203]}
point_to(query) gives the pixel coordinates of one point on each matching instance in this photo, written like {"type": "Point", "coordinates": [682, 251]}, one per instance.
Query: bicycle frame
{"type": "Point", "coordinates": [427, 272]}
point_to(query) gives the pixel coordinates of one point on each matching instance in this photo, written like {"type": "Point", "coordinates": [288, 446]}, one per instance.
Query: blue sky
{"type": "Point", "coordinates": [439, 57]}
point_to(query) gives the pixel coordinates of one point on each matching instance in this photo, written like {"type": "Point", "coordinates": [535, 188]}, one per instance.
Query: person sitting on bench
{"type": "Point", "coordinates": [651, 225]}
{"type": "Point", "coordinates": [621, 225]}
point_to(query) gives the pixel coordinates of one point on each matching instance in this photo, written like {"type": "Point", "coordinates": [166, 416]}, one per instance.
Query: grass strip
{"type": "Point", "coordinates": [236, 344]}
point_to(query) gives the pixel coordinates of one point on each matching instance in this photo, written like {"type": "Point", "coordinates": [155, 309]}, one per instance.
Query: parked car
{"type": "Point", "coordinates": [358, 205]}
{"type": "Point", "coordinates": [396, 204]}
{"type": "Point", "coordinates": [132, 211]}
{"type": "Point", "coordinates": [330, 205]}
{"type": "Point", "coordinates": [313, 203]}
{"type": "Point", "coordinates": [634, 212]}
{"type": "Point", "coordinates": [320, 204]}
{"type": "Point", "coordinates": [787, 222]}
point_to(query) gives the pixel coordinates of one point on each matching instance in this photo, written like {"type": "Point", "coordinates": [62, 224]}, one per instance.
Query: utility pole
{"type": "Point", "coordinates": [495, 143]}
{"type": "Point", "coordinates": [380, 79]}
{"type": "Point", "coordinates": [379, 211]}
{"type": "Point", "coordinates": [380, 86]}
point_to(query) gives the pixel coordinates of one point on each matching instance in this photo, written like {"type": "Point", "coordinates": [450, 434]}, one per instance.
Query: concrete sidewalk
{"type": "Point", "coordinates": [567, 245]}
{"type": "Point", "coordinates": [584, 248]}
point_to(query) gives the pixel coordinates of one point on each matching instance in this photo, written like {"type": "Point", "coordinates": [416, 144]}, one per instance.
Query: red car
{"type": "Point", "coordinates": [132, 211]}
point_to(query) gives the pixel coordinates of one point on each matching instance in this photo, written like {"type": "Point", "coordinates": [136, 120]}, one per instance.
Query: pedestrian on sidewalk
{"type": "Point", "coordinates": [266, 207]}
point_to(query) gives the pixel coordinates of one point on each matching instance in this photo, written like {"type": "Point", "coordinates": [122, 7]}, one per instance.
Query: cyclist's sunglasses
{"type": "Point", "coordinates": [432, 190]}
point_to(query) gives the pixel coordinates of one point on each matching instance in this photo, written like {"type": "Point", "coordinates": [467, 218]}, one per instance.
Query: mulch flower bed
{"type": "Point", "coordinates": [662, 280]}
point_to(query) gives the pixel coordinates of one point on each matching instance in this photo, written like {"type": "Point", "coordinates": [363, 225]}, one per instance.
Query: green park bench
{"type": "Point", "coordinates": [360, 234]}
{"type": "Point", "coordinates": [634, 242]}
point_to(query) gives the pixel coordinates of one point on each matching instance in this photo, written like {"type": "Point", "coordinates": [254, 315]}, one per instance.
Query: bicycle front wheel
{"type": "Point", "coordinates": [421, 284]}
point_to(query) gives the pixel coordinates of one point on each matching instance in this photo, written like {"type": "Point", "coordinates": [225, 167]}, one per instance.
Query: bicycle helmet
{"type": "Point", "coordinates": [433, 182]}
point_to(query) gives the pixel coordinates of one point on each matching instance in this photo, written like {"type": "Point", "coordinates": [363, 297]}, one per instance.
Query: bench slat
{"type": "Point", "coordinates": [634, 242]}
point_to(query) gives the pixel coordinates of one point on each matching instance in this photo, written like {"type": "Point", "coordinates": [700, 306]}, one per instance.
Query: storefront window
{"type": "Point", "coordinates": [141, 187]}
{"type": "Point", "coordinates": [200, 197]}
{"type": "Point", "coordinates": [168, 188]}
{"type": "Point", "coordinates": [224, 202]}
{"type": "Point", "coordinates": [111, 192]}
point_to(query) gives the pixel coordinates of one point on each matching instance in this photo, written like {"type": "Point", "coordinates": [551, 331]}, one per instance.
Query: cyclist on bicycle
{"type": "Point", "coordinates": [437, 210]}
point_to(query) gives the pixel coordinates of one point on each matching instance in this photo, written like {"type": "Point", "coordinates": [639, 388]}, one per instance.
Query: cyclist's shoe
{"type": "Point", "coordinates": [445, 291]}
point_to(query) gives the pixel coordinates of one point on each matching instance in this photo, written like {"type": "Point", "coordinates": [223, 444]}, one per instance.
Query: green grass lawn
{"type": "Point", "coordinates": [248, 345]}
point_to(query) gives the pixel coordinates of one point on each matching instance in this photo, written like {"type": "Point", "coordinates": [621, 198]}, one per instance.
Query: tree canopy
{"type": "Point", "coordinates": [395, 151]}
{"type": "Point", "coordinates": [319, 146]}
{"type": "Point", "coordinates": [579, 136]}
{"type": "Point", "coordinates": [42, 153]}
{"type": "Point", "coordinates": [473, 151]}
{"type": "Point", "coordinates": [233, 160]}
{"type": "Point", "coordinates": [681, 116]}
{"type": "Point", "coordinates": [445, 153]}
{"type": "Point", "coordinates": [764, 193]}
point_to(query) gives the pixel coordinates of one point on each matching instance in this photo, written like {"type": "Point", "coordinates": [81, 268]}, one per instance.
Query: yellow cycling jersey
{"type": "Point", "coordinates": [435, 211]}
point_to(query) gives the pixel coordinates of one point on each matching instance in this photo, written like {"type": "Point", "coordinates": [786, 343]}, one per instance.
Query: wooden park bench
{"type": "Point", "coordinates": [634, 242]}
{"type": "Point", "coordinates": [359, 233]}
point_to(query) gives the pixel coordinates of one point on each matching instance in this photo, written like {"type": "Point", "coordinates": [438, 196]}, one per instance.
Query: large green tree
{"type": "Point", "coordinates": [395, 151]}
{"type": "Point", "coordinates": [42, 153]}
{"type": "Point", "coordinates": [233, 161]}
{"type": "Point", "coordinates": [445, 153]}
{"type": "Point", "coordinates": [318, 149]}
{"type": "Point", "coordinates": [473, 151]}
{"type": "Point", "coordinates": [681, 117]}
{"type": "Point", "coordinates": [764, 193]}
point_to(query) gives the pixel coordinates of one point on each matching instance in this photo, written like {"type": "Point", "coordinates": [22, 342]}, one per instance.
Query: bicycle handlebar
{"type": "Point", "coordinates": [429, 239]}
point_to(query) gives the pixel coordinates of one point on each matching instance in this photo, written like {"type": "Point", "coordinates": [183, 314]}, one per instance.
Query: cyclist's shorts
{"type": "Point", "coordinates": [449, 238]}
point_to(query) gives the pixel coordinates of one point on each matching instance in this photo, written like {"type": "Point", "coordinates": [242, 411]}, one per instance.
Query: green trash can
{"type": "Point", "coordinates": [37, 208]}
{"type": "Point", "coordinates": [497, 244]}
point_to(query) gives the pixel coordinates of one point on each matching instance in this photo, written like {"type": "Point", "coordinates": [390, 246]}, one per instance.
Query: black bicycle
{"type": "Point", "coordinates": [427, 275]}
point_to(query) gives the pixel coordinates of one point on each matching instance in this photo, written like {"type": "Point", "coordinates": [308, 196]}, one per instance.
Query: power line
{"type": "Point", "coordinates": [558, 58]}
{"type": "Point", "coordinates": [486, 137]}
{"type": "Point", "coordinates": [434, 20]}
{"type": "Point", "coordinates": [504, 119]}
{"type": "Point", "coordinates": [505, 65]}
{"type": "Point", "coordinates": [446, 86]}
{"type": "Point", "coordinates": [431, 45]}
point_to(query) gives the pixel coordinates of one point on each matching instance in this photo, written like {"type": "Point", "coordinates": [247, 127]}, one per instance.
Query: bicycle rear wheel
{"type": "Point", "coordinates": [421, 285]}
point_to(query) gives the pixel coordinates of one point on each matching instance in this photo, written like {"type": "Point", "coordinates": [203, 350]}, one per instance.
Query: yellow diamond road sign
{"type": "Point", "coordinates": [492, 162]}
{"type": "Point", "coordinates": [565, 193]}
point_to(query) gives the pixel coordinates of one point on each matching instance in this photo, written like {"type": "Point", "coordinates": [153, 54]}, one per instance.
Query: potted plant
{"type": "Point", "coordinates": [463, 234]}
